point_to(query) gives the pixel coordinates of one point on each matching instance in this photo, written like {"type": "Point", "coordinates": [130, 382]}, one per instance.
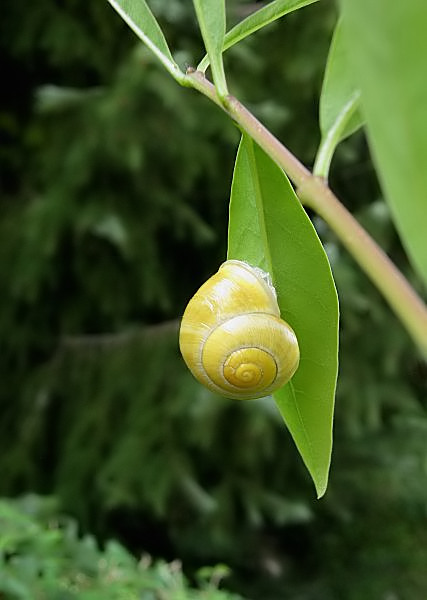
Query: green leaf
{"type": "Point", "coordinates": [387, 47]}
{"type": "Point", "coordinates": [260, 18]}
{"type": "Point", "coordinates": [211, 18]}
{"type": "Point", "coordinates": [339, 103]}
{"type": "Point", "coordinates": [269, 229]}
{"type": "Point", "coordinates": [139, 17]}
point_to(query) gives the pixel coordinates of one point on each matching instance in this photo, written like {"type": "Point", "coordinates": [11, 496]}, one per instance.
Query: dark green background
{"type": "Point", "coordinates": [113, 208]}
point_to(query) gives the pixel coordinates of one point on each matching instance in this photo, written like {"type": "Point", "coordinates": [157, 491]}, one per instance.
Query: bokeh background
{"type": "Point", "coordinates": [113, 210]}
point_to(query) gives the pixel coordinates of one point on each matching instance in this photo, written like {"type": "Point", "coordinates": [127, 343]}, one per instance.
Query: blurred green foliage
{"type": "Point", "coordinates": [113, 210]}
{"type": "Point", "coordinates": [42, 557]}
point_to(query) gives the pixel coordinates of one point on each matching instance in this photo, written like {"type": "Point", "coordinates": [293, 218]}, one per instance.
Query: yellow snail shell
{"type": "Point", "coordinates": [232, 337]}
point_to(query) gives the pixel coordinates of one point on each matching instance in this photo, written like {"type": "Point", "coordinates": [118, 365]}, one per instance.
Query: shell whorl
{"type": "Point", "coordinates": [232, 337]}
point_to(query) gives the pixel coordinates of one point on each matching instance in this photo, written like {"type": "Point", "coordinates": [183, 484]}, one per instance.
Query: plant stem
{"type": "Point", "coordinates": [314, 193]}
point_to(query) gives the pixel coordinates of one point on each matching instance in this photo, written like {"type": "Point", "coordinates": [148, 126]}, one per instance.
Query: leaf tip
{"type": "Point", "coordinates": [321, 485]}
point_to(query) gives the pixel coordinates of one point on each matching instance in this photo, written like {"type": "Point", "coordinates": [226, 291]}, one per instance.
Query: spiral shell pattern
{"type": "Point", "coordinates": [232, 337]}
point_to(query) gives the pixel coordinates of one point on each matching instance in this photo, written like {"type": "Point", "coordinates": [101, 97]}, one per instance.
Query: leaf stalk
{"type": "Point", "coordinates": [329, 142]}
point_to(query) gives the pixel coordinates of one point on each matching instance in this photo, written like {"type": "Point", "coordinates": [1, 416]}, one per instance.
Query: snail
{"type": "Point", "coordinates": [232, 337]}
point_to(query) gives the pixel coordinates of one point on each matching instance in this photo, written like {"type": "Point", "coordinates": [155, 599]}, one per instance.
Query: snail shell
{"type": "Point", "coordinates": [232, 337]}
